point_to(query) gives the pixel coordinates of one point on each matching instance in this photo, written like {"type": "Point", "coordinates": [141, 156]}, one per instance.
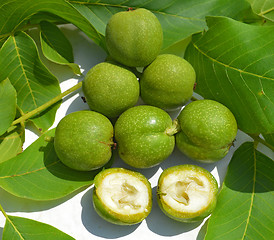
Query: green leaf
{"type": "Point", "coordinates": [38, 174]}
{"type": "Point", "coordinates": [35, 85]}
{"type": "Point", "coordinates": [16, 14]}
{"type": "Point", "coordinates": [264, 8]}
{"type": "Point", "coordinates": [11, 143]}
{"type": "Point", "coordinates": [179, 19]}
{"type": "Point", "coordinates": [7, 105]}
{"type": "Point", "coordinates": [45, 16]}
{"type": "Point", "coordinates": [269, 138]}
{"type": "Point", "coordinates": [27, 229]}
{"type": "Point", "coordinates": [245, 204]}
{"type": "Point", "coordinates": [56, 47]}
{"type": "Point", "coordinates": [234, 65]}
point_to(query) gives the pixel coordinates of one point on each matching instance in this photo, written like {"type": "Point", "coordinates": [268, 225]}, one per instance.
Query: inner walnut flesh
{"type": "Point", "coordinates": [124, 194]}
{"type": "Point", "coordinates": [187, 192]}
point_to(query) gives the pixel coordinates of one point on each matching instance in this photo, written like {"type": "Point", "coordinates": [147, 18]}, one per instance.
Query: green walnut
{"type": "Point", "coordinates": [167, 82]}
{"type": "Point", "coordinates": [208, 129]}
{"type": "Point", "coordinates": [187, 193]}
{"type": "Point", "coordinates": [110, 89]}
{"type": "Point", "coordinates": [83, 140]}
{"type": "Point", "coordinates": [122, 196]}
{"type": "Point", "coordinates": [145, 136]}
{"type": "Point", "coordinates": [134, 38]}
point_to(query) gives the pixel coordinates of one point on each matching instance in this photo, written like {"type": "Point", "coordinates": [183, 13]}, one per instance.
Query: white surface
{"type": "Point", "coordinates": [75, 214]}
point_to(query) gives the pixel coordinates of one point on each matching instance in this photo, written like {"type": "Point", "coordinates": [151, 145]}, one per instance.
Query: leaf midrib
{"type": "Point", "coordinates": [228, 66]}
{"type": "Point", "coordinates": [15, 228]}
{"type": "Point", "coordinates": [30, 172]}
{"type": "Point", "coordinates": [252, 195]}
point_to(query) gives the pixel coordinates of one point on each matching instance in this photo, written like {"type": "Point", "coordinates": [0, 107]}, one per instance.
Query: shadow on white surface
{"type": "Point", "coordinates": [178, 158]}
{"type": "Point", "coordinates": [1, 232]}
{"type": "Point", "coordinates": [164, 225]}
{"type": "Point", "coordinates": [77, 104]}
{"type": "Point", "coordinates": [148, 172]}
{"type": "Point", "coordinates": [98, 226]}
{"type": "Point", "coordinates": [202, 232]}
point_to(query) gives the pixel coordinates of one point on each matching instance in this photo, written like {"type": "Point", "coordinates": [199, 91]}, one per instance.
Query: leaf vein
{"type": "Point", "coordinates": [23, 70]}
{"type": "Point", "coordinates": [30, 172]}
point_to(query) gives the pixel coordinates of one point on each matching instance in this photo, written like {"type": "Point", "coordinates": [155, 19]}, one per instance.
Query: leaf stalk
{"type": "Point", "coordinates": [8, 219]}
{"type": "Point", "coordinates": [3, 211]}
{"type": "Point", "coordinates": [56, 99]}
{"type": "Point", "coordinates": [262, 141]}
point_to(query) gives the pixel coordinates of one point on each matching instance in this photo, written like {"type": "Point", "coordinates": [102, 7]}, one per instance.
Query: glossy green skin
{"type": "Point", "coordinates": [167, 82]}
{"type": "Point", "coordinates": [134, 37]}
{"type": "Point", "coordinates": [185, 216]}
{"type": "Point", "coordinates": [83, 140]}
{"type": "Point", "coordinates": [208, 130]}
{"type": "Point", "coordinates": [107, 213]}
{"type": "Point", "coordinates": [110, 89]}
{"type": "Point", "coordinates": [142, 138]}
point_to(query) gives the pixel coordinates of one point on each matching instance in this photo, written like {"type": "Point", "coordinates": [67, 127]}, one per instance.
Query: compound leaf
{"type": "Point", "coordinates": [35, 85]}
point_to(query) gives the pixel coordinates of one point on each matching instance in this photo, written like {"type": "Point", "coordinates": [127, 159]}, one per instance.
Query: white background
{"type": "Point", "coordinates": [74, 214]}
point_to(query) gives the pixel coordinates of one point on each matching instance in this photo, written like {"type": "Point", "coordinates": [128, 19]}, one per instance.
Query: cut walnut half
{"type": "Point", "coordinates": [187, 192]}
{"type": "Point", "coordinates": [122, 196]}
